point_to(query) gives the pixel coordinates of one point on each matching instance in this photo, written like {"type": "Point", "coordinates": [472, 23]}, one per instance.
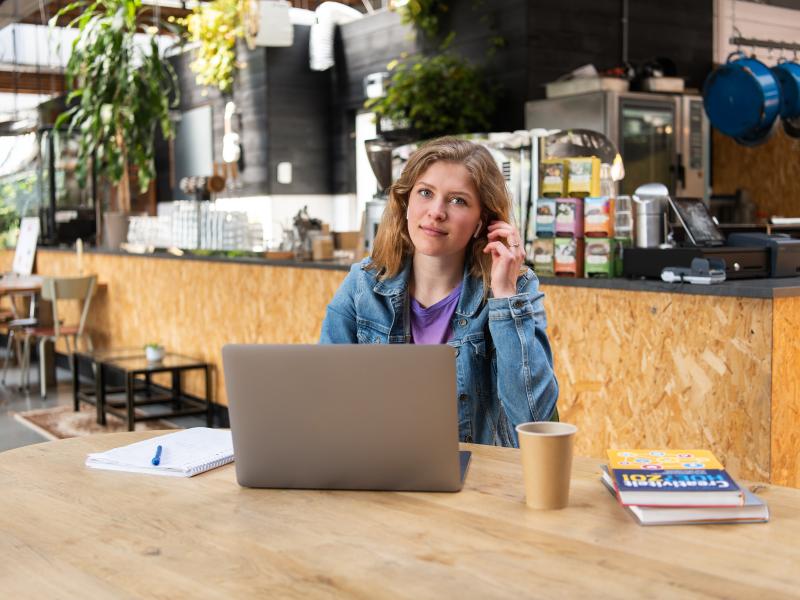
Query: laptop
{"type": "Point", "coordinates": [345, 417]}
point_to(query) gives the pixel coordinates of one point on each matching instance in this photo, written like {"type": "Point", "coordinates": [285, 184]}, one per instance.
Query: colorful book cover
{"type": "Point", "coordinates": [671, 473]}
{"type": "Point", "coordinates": [659, 460]}
{"type": "Point", "coordinates": [753, 510]}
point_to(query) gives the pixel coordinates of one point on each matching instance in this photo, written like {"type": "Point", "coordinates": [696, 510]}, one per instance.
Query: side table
{"type": "Point", "coordinates": [95, 393]}
{"type": "Point", "coordinates": [137, 371]}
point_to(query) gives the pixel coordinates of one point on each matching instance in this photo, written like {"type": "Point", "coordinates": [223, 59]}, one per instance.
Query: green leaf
{"type": "Point", "coordinates": [119, 105]}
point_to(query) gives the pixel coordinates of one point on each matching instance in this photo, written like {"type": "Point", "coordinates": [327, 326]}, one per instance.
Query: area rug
{"type": "Point", "coordinates": [62, 422]}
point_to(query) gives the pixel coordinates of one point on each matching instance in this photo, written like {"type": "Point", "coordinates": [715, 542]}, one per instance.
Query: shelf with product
{"type": "Point", "coordinates": [574, 180]}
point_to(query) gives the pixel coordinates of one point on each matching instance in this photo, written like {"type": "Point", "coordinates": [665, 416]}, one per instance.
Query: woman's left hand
{"type": "Point", "coordinates": [506, 259]}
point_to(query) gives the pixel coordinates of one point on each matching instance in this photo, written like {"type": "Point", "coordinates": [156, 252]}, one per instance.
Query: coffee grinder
{"type": "Point", "coordinates": [379, 153]}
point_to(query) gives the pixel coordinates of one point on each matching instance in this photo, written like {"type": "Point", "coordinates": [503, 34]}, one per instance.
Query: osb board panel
{"type": "Point", "coordinates": [785, 463]}
{"type": "Point", "coordinates": [196, 307]}
{"type": "Point", "coordinates": [640, 369]}
{"type": "Point", "coordinates": [770, 172]}
{"type": "Point", "coordinates": [635, 368]}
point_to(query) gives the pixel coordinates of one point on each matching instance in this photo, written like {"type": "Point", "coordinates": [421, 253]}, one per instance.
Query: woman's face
{"type": "Point", "coordinates": [444, 209]}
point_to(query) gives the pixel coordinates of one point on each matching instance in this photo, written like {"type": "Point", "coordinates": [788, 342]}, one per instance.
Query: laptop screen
{"type": "Point", "coordinates": [697, 221]}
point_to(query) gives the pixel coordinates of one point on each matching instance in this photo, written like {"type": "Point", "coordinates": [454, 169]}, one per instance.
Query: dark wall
{"type": "Point", "coordinates": [476, 23]}
{"type": "Point", "coordinates": [679, 29]}
{"type": "Point", "coordinates": [542, 41]}
{"type": "Point", "coordinates": [307, 118]}
{"type": "Point", "coordinates": [571, 33]}
{"type": "Point", "coordinates": [284, 110]}
{"type": "Point", "coordinates": [298, 119]}
{"type": "Point", "coordinates": [367, 46]}
{"type": "Point", "coordinates": [362, 47]}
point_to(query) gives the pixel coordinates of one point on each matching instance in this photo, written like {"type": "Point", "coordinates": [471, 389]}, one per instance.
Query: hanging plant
{"type": "Point", "coordinates": [216, 26]}
{"type": "Point", "coordinates": [436, 95]}
{"type": "Point", "coordinates": [424, 15]}
{"type": "Point", "coordinates": [122, 90]}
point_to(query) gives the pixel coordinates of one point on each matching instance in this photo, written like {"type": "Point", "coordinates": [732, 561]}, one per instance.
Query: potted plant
{"type": "Point", "coordinates": [435, 95]}
{"type": "Point", "coordinates": [121, 92]}
{"type": "Point", "coordinates": [154, 352]}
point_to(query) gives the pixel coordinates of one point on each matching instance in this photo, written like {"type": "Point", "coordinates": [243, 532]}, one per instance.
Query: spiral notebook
{"type": "Point", "coordinates": [183, 454]}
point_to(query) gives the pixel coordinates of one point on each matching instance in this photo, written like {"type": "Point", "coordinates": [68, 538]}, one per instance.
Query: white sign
{"type": "Point", "coordinates": [26, 246]}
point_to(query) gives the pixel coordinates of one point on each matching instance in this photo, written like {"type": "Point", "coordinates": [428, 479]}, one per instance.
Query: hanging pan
{"type": "Point", "coordinates": [792, 127]}
{"type": "Point", "coordinates": [742, 98]}
{"type": "Point", "coordinates": [788, 76]}
{"type": "Point", "coordinates": [761, 136]}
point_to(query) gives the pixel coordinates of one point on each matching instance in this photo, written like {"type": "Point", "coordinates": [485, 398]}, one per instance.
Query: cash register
{"type": "Point", "coordinates": [745, 255]}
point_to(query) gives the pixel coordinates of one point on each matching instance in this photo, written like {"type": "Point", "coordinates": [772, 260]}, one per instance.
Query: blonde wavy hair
{"type": "Point", "coordinates": [393, 245]}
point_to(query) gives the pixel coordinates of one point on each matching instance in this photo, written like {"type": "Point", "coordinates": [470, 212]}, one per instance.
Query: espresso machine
{"type": "Point", "coordinates": [379, 153]}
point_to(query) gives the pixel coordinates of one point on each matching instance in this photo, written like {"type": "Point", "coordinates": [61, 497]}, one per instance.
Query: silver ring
{"type": "Point", "coordinates": [513, 245]}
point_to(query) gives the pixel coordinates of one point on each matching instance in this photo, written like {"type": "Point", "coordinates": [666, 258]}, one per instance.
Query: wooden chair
{"type": "Point", "coordinates": [55, 290]}
{"type": "Point", "coordinates": [14, 325]}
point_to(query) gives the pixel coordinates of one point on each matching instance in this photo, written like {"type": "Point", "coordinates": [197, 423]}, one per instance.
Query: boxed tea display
{"type": "Point", "coordinates": [584, 176]}
{"type": "Point", "coordinates": [599, 257]}
{"type": "Point", "coordinates": [569, 217]}
{"type": "Point", "coordinates": [568, 257]}
{"type": "Point", "coordinates": [598, 217]}
{"type": "Point", "coordinates": [545, 217]}
{"type": "Point", "coordinates": [554, 177]}
{"type": "Point", "coordinates": [542, 259]}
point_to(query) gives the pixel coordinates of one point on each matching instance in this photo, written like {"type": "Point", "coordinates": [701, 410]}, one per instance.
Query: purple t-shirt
{"type": "Point", "coordinates": [432, 325]}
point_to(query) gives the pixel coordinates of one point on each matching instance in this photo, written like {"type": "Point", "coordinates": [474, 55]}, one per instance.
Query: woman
{"type": "Point", "coordinates": [447, 267]}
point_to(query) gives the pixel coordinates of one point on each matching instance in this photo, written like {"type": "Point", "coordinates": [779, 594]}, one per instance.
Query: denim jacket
{"type": "Point", "coordinates": [504, 365]}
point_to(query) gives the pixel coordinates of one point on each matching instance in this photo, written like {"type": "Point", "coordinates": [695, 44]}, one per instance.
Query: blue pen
{"type": "Point", "coordinates": [157, 457]}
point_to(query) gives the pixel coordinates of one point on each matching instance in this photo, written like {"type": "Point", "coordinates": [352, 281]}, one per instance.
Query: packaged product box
{"type": "Point", "coordinates": [598, 217]}
{"type": "Point", "coordinates": [554, 177]}
{"type": "Point", "coordinates": [545, 217]}
{"type": "Point", "coordinates": [322, 246]}
{"type": "Point", "coordinates": [346, 240]}
{"type": "Point", "coordinates": [568, 257]}
{"type": "Point", "coordinates": [542, 258]}
{"type": "Point", "coordinates": [569, 217]}
{"type": "Point", "coordinates": [584, 176]}
{"type": "Point", "coordinates": [599, 257]}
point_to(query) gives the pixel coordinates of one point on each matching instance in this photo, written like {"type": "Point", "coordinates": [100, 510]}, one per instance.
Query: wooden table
{"type": "Point", "coordinates": [70, 531]}
{"type": "Point", "coordinates": [19, 284]}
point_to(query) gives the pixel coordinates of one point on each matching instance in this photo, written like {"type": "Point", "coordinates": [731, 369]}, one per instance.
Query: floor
{"type": "Point", "coordinates": [14, 434]}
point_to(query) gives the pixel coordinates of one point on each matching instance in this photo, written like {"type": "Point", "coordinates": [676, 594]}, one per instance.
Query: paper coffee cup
{"type": "Point", "coordinates": [546, 449]}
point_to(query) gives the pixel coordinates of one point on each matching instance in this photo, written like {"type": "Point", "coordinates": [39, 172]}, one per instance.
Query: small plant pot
{"type": "Point", "coordinates": [154, 354]}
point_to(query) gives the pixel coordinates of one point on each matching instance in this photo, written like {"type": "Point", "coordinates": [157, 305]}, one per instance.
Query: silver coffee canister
{"type": "Point", "coordinates": [650, 202]}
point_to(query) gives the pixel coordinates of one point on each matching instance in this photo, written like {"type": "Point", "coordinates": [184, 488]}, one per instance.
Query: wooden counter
{"type": "Point", "coordinates": [70, 531]}
{"type": "Point", "coordinates": [636, 368]}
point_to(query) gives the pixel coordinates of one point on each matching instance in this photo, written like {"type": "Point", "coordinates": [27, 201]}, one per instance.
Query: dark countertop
{"type": "Point", "coordinates": [245, 260]}
{"type": "Point", "coordinates": [787, 287]}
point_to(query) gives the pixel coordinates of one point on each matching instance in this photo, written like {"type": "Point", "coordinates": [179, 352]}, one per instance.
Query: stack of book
{"type": "Point", "coordinates": [675, 487]}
